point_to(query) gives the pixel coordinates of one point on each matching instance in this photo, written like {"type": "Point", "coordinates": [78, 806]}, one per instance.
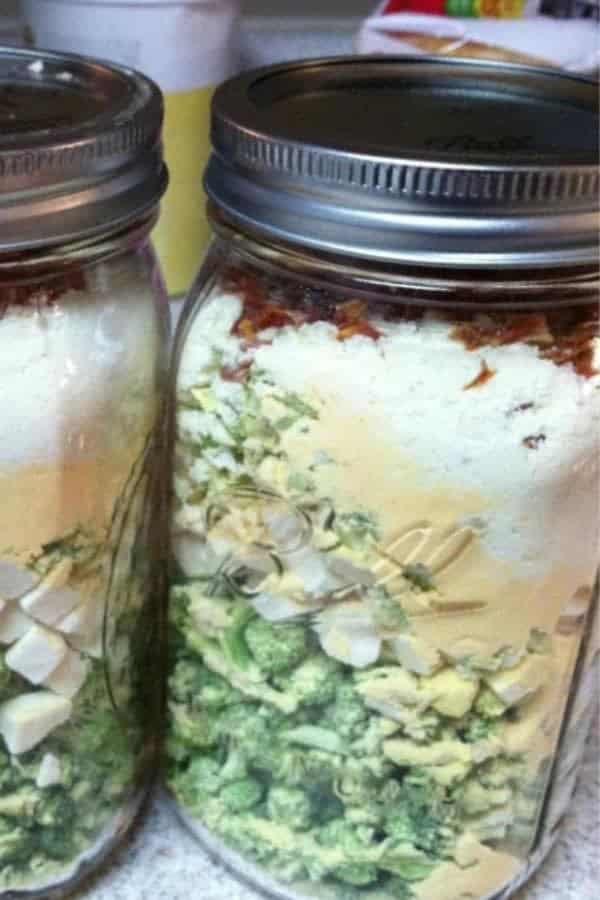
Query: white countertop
{"type": "Point", "coordinates": [160, 860]}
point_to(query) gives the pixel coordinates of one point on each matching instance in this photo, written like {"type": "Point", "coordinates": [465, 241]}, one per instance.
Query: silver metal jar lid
{"type": "Point", "coordinates": [80, 151]}
{"type": "Point", "coordinates": [415, 160]}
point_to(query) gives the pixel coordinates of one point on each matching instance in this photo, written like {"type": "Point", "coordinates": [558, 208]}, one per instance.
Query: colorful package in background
{"type": "Point", "coordinates": [497, 9]}
{"type": "Point", "coordinates": [531, 39]}
{"type": "Point", "coordinates": [187, 48]}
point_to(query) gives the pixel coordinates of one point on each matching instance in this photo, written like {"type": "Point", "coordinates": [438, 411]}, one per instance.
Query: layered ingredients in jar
{"type": "Point", "coordinates": [384, 535]}
{"type": "Point", "coordinates": [77, 392]}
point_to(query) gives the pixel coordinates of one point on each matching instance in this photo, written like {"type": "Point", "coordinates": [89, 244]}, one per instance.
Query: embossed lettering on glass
{"type": "Point", "coordinates": [384, 515]}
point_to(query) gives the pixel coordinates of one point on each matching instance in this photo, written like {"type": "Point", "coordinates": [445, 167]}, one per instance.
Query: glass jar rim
{"type": "Point", "coordinates": [433, 287]}
{"type": "Point", "coordinates": [103, 246]}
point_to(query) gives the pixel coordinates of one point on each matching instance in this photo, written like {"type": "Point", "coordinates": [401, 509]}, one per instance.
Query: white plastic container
{"type": "Point", "coordinates": [187, 48]}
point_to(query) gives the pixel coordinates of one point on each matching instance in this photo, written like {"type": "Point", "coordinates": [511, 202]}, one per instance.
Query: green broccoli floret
{"type": "Point", "coordinates": [276, 649]}
{"type": "Point", "coordinates": [15, 843]}
{"type": "Point", "coordinates": [251, 681]}
{"type": "Point", "coordinates": [407, 861]}
{"type": "Point", "coordinates": [192, 728]}
{"type": "Point", "coordinates": [353, 842]}
{"type": "Point", "coordinates": [314, 681]}
{"type": "Point", "coordinates": [317, 737]}
{"type": "Point", "coordinates": [5, 678]}
{"type": "Point", "coordinates": [340, 834]}
{"type": "Point", "coordinates": [399, 889]}
{"type": "Point", "coordinates": [421, 815]}
{"type": "Point", "coordinates": [250, 727]}
{"type": "Point", "coordinates": [179, 614]}
{"type": "Point", "coordinates": [241, 795]}
{"type": "Point", "coordinates": [358, 792]}
{"type": "Point", "coordinates": [52, 837]}
{"type": "Point", "coordinates": [358, 874]}
{"type": "Point", "coordinates": [477, 729]}
{"type": "Point", "coordinates": [191, 682]}
{"type": "Point", "coordinates": [291, 806]}
{"type": "Point", "coordinates": [11, 684]}
{"type": "Point", "coordinates": [21, 804]}
{"type": "Point", "coordinates": [348, 715]}
{"type": "Point", "coordinates": [386, 611]}
{"type": "Point", "coordinates": [233, 639]}
{"type": "Point", "coordinates": [356, 530]}
{"type": "Point", "coordinates": [201, 779]}
{"type": "Point", "coordinates": [55, 843]}
{"type": "Point", "coordinates": [489, 705]}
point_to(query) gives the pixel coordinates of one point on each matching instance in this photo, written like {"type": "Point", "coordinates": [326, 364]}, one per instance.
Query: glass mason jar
{"type": "Point", "coordinates": [81, 336]}
{"type": "Point", "coordinates": [385, 511]}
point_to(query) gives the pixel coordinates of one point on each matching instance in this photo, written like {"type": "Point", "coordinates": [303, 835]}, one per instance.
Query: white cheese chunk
{"type": "Point", "coordinates": [453, 695]}
{"type": "Point", "coordinates": [194, 555]}
{"type": "Point", "coordinates": [49, 772]}
{"type": "Point", "coordinates": [37, 654]}
{"type": "Point", "coordinates": [415, 655]}
{"type": "Point", "coordinates": [83, 625]}
{"type": "Point", "coordinates": [517, 684]}
{"type": "Point", "coordinates": [52, 600]}
{"type": "Point", "coordinates": [15, 579]}
{"type": "Point", "coordinates": [78, 621]}
{"type": "Point", "coordinates": [29, 718]}
{"type": "Point", "coordinates": [68, 678]}
{"type": "Point", "coordinates": [13, 623]}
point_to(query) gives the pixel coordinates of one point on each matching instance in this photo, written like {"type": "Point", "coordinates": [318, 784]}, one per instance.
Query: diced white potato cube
{"type": "Point", "coordinates": [37, 654]}
{"type": "Point", "coordinates": [415, 655]}
{"type": "Point", "coordinates": [29, 718]}
{"type": "Point", "coordinates": [49, 772]}
{"type": "Point", "coordinates": [51, 600]}
{"type": "Point", "coordinates": [15, 579]}
{"type": "Point", "coordinates": [68, 678]}
{"type": "Point", "coordinates": [13, 623]}
{"type": "Point", "coordinates": [515, 685]}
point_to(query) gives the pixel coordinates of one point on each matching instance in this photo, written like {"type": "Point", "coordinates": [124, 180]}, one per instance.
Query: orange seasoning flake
{"type": "Point", "coordinates": [495, 332]}
{"type": "Point", "coordinates": [485, 373]}
{"type": "Point", "coordinates": [351, 319]}
{"type": "Point", "coordinates": [557, 339]}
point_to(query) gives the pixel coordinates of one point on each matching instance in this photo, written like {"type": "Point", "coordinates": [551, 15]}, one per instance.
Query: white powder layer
{"type": "Point", "coordinates": [408, 389]}
{"type": "Point", "coordinates": [209, 331]}
{"type": "Point", "coordinates": [66, 369]}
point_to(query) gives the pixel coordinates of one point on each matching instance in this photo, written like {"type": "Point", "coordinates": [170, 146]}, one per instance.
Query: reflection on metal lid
{"type": "Point", "coordinates": [416, 159]}
{"type": "Point", "coordinates": [80, 148]}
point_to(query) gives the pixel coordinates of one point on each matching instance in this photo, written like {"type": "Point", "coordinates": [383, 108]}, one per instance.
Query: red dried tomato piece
{"type": "Point", "coordinates": [485, 373]}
